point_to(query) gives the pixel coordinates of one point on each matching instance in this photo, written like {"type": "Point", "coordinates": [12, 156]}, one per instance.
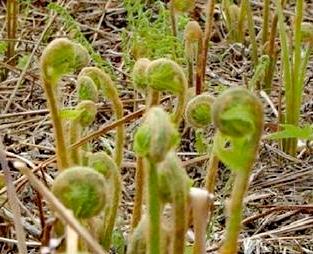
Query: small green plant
{"type": "Point", "coordinates": [80, 118]}
{"type": "Point", "coordinates": [82, 190]}
{"type": "Point", "coordinates": [238, 116]}
{"type": "Point", "coordinates": [166, 75]}
{"type": "Point", "coordinates": [194, 37]}
{"type": "Point", "coordinates": [153, 140]}
{"type": "Point", "coordinates": [294, 65]}
{"type": "Point", "coordinates": [60, 57]}
{"type": "Point", "coordinates": [73, 28]}
{"type": "Point", "coordinates": [104, 83]}
{"type": "Point", "coordinates": [200, 201]}
{"type": "Point", "coordinates": [102, 163]}
{"type": "Point", "coordinates": [149, 35]}
{"type": "Point", "coordinates": [173, 187]}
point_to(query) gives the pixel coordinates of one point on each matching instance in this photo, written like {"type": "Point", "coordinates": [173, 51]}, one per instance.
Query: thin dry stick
{"type": "Point", "coordinates": [13, 201]}
{"type": "Point", "coordinates": [12, 9]}
{"type": "Point", "coordinates": [101, 21]}
{"type": "Point", "coordinates": [62, 211]}
{"type": "Point", "coordinates": [30, 60]}
{"type": "Point", "coordinates": [207, 34]}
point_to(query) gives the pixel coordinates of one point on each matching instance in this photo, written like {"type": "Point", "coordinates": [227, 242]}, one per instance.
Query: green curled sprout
{"type": "Point", "coordinates": [88, 111]}
{"type": "Point", "coordinates": [104, 83]}
{"type": "Point", "coordinates": [156, 136]}
{"type": "Point", "coordinates": [82, 190]}
{"type": "Point", "coordinates": [199, 110]}
{"type": "Point", "coordinates": [139, 76]}
{"type": "Point", "coordinates": [235, 113]}
{"type": "Point", "coordinates": [193, 32]}
{"type": "Point", "coordinates": [87, 89]}
{"type": "Point", "coordinates": [61, 57]}
{"type": "Point", "coordinates": [166, 75]}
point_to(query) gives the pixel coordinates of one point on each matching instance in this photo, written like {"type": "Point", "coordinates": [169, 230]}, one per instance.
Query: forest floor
{"type": "Point", "coordinates": [278, 215]}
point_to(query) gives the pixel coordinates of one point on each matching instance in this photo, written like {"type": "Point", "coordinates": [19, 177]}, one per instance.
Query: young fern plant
{"type": "Point", "coordinates": [153, 140]}
{"type": "Point", "coordinates": [199, 115]}
{"type": "Point", "coordinates": [165, 75]}
{"type": "Point", "coordinates": [82, 190]}
{"type": "Point", "coordinates": [193, 36]}
{"type": "Point", "coordinates": [60, 57]}
{"type": "Point", "coordinates": [174, 187]}
{"type": "Point", "coordinates": [200, 202]}
{"type": "Point", "coordinates": [104, 83]}
{"type": "Point", "coordinates": [105, 165]}
{"type": "Point", "coordinates": [294, 70]}
{"type": "Point", "coordinates": [238, 117]}
{"type": "Point", "coordinates": [79, 119]}
{"type": "Point", "coordinates": [140, 83]}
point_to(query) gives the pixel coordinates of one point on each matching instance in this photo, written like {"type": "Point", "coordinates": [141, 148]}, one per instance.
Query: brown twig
{"type": "Point", "coordinates": [14, 204]}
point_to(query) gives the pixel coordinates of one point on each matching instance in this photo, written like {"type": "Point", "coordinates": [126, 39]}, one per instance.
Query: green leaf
{"type": "Point", "coordinates": [234, 152]}
{"type": "Point", "coordinates": [200, 144]}
{"type": "Point", "coordinates": [22, 61]}
{"type": "Point", "coordinates": [292, 131]}
{"type": "Point", "coordinates": [3, 47]}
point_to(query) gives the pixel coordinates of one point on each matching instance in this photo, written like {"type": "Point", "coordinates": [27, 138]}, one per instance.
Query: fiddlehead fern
{"type": "Point", "coordinates": [166, 75]}
{"type": "Point", "coordinates": [198, 111]}
{"type": "Point", "coordinates": [86, 114]}
{"type": "Point", "coordinates": [104, 82]}
{"type": "Point", "coordinates": [238, 116]}
{"type": "Point", "coordinates": [60, 57]}
{"type": "Point", "coordinates": [82, 190]}
{"type": "Point", "coordinates": [87, 89]}
{"type": "Point", "coordinates": [194, 35]}
{"type": "Point", "coordinates": [103, 163]}
{"type": "Point", "coordinates": [200, 202]}
{"type": "Point", "coordinates": [153, 140]}
{"type": "Point", "coordinates": [173, 186]}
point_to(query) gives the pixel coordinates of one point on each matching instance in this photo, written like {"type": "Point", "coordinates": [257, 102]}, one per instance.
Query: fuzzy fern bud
{"type": "Point", "coordinates": [88, 111]}
{"type": "Point", "coordinates": [166, 75]}
{"type": "Point", "coordinates": [156, 136]}
{"type": "Point", "coordinates": [62, 56]}
{"type": "Point", "coordinates": [183, 5]}
{"type": "Point", "coordinates": [236, 113]}
{"type": "Point", "coordinates": [198, 111]}
{"type": "Point", "coordinates": [82, 190]}
{"type": "Point", "coordinates": [87, 89]}
{"type": "Point", "coordinates": [139, 76]}
{"type": "Point", "coordinates": [193, 32]}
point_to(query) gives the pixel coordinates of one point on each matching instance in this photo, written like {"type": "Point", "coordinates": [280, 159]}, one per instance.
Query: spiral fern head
{"type": "Point", "coordinates": [102, 163]}
{"type": "Point", "coordinates": [170, 171]}
{"type": "Point", "coordinates": [199, 111]}
{"type": "Point", "coordinates": [88, 113]}
{"type": "Point", "coordinates": [307, 32]}
{"type": "Point", "coordinates": [101, 79]}
{"type": "Point", "coordinates": [156, 136]}
{"type": "Point", "coordinates": [193, 32]}
{"type": "Point", "coordinates": [139, 76]}
{"type": "Point", "coordinates": [237, 113]}
{"type": "Point", "coordinates": [183, 5]}
{"type": "Point", "coordinates": [61, 57]}
{"type": "Point", "coordinates": [82, 190]}
{"type": "Point", "coordinates": [166, 75]}
{"type": "Point", "coordinates": [87, 89]}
